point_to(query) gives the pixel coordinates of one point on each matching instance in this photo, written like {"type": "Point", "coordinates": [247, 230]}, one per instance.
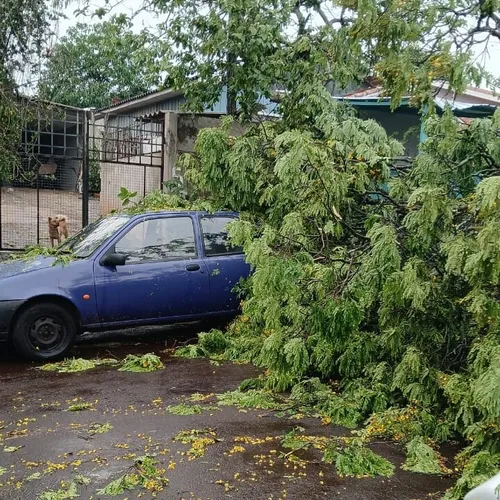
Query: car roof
{"type": "Point", "coordinates": [184, 212]}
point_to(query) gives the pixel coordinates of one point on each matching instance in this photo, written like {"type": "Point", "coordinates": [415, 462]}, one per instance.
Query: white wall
{"type": "Point", "coordinates": [130, 176]}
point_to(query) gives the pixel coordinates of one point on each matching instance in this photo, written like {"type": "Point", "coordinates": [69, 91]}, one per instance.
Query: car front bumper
{"type": "Point", "coordinates": [7, 310]}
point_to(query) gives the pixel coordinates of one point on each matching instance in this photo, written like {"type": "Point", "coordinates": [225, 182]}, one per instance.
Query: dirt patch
{"type": "Point", "coordinates": [24, 214]}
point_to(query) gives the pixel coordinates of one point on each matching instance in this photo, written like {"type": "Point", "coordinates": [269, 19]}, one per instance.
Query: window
{"type": "Point", "coordinates": [215, 237]}
{"type": "Point", "coordinates": [89, 239]}
{"type": "Point", "coordinates": [159, 240]}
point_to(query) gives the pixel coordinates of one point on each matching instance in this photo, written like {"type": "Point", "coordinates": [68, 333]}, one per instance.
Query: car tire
{"type": "Point", "coordinates": [44, 332]}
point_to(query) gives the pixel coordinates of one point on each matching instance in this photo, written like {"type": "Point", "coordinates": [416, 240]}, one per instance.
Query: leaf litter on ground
{"type": "Point", "coordinates": [66, 492]}
{"type": "Point", "coordinates": [81, 406]}
{"type": "Point", "coordinates": [145, 363]}
{"type": "Point", "coordinates": [75, 365]}
{"type": "Point", "coordinates": [132, 363]}
{"type": "Point", "coordinates": [144, 472]}
{"type": "Point", "coordinates": [11, 449]}
{"type": "Point", "coordinates": [190, 409]}
{"type": "Point", "coordinates": [199, 439]}
{"type": "Point", "coordinates": [97, 428]}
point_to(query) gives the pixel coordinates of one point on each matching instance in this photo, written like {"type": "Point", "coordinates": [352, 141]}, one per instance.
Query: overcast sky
{"type": "Point", "coordinates": [490, 58]}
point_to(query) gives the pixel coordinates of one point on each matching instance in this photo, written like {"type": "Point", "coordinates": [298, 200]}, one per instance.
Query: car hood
{"type": "Point", "coordinates": [16, 267]}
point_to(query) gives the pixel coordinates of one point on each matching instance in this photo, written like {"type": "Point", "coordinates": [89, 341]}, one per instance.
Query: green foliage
{"type": "Point", "coordinates": [24, 34]}
{"type": "Point", "coordinates": [66, 492]}
{"type": "Point", "coordinates": [183, 409]}
{"type": "Point", "coordinates": [120, 485]}
{"type": "Point", "coordinates": [82, 480]}
{"type": "Point", "coordinates": [422, 458]}
{"type": "Point", "coordinates": [253, 398]}
{"type": "Point", "coordinates": [126, 196]}
{"type": "Point", "coordinates": [31, 252]}
{"type": "Point", "coordinates": [199, 439]}
{"type": "Point", "coordinates": [80, 406]}
{"type": "Point", "coordinates": [94, 63]}
{"type": "Point", "coordinates": [97, 428]}
{"type": "Point", "coordinates": [145, 363]}
{"type": "Point", "coordinates": [478, 468]}
{"type": "Point", "coordinates": [293, 440]}
{"type": "Point", "coordinates": [394, 296]}
{"type": "Point", "coordinates": [189, 352]}
{"type": "Point", "coordinates": [355, 459]}
{"type": "Point", "coordinates": [75, 365]}
{"type": "Point", "coordinates": [376, 271]}
{"type": "Point", "coordinates": [247, 48]}
{"type": "Point", "coordinates": [145, 473]}
{"type": "Point", "coordinates": [213, 342]}
{"type": "Point", "coordinates": [210, 344]}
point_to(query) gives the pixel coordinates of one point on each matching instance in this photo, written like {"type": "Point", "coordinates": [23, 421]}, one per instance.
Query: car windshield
{"type": "Point", "coordinates": [90, 238]}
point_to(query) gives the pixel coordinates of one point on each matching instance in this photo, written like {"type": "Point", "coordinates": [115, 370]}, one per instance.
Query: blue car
{"type": "Point", "coordinates": [129, 270]}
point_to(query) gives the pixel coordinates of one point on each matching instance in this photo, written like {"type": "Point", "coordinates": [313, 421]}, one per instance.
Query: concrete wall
{"type": "Point", "coordinates": [181, 131]}
{"type": "Point", "coordinates": [130, 176]}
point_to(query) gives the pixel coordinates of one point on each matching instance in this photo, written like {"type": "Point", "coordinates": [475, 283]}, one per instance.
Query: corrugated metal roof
{"type": "Point", "coordinates": [372, 92]}
{"type": "Point", "coordinates": [465, 108]}
{"type": "Point", "coordinates": [130, 99]}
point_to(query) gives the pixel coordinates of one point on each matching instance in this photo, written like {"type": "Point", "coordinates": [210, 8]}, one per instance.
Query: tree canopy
{"type": "Point", "coordinates": [95, 62]}
{"type": "Point", "coordinates": [251, 47]}
{"type": "Point", "coordinates": [25, 28]}
{"type": "Point", "coordinates": [374, 273]}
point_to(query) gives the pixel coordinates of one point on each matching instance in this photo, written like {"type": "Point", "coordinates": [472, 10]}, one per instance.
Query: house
{"type": "Point", "coordinates": [140, 139]}
{"type": "Point", "coordinates": [405, 123]}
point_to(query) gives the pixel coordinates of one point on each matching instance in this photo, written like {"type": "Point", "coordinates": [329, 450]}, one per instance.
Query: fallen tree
{"type": "Point", "coordinates": [376, 275]}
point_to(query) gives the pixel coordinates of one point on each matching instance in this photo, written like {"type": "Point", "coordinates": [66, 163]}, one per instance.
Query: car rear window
{"type": "Point", "coordinates": [215, 236]}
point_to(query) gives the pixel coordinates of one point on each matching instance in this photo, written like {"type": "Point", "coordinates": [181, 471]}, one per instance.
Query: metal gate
{"type": "Point", "coordinates": [129, 150]}
{"type": "Point", "coordinates": [48, 178]}
{"type": "Point", "coordinates": [74, 163]}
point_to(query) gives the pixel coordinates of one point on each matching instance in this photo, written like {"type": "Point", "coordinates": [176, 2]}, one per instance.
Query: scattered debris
{"type": "Point", "coordinates": [80, 406]}
{"type": "Point", "coordinates": [67, 491]}
{"type": "Point", "coordinates": [146, 363]}
{"type": "Point", "coordinates": [77, 365]}
{"type": "Point", "coordinates": [183, 409]}
{"type": "Point", "coordinates": [254, 398]}
{"type": "Point", "coordinates": [356, 459]}
{"type": "Point", "coordinates": [145, 473]}
{"type": "Point", "coordinates": [97, 428]}
{"type": "Point", "coordinates": [11, 449]}
{"type": "Point", "coordinates": [199, 439]}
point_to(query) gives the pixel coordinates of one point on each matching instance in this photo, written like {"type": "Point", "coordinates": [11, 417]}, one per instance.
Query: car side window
{"type": "Point", "coordinates": [162, 239]}
{"type": "Point", "coordinates": [215, 236]}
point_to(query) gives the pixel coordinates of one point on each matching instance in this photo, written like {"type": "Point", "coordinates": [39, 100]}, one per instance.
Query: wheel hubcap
{"type": "Point", "coordinates": [46, 333]}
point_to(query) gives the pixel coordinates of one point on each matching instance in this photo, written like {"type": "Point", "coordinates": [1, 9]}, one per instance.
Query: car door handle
{"type": "Point", "coordinates": [192, 267]}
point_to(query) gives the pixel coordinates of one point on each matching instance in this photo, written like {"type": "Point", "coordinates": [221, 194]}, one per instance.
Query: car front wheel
{"type": "Point", "coordinates": [44, 331]}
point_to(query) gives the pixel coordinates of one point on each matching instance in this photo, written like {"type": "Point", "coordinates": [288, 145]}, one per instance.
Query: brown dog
{"type": "Point", "coordinates": [62, 221]}
{"type": "Point", "coordinates": [54, 230]}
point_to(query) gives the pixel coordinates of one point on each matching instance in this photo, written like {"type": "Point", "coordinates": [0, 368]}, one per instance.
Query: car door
{"type": "Point", "coordinates": [226, 264]}
{"type": "Point", "coordinates": [163, 278]}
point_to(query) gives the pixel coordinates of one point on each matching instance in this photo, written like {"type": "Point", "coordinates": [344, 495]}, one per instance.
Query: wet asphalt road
{"type": "Point", "coordinates": [243, 463]}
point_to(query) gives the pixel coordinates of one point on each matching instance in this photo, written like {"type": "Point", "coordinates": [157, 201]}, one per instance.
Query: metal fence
{"type": "Point", "coordinates": [74, 165]}
{"type": "Point", "coordinates": [48, 178]}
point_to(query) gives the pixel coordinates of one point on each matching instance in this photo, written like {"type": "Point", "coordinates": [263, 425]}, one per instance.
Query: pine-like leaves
{"type": "Point", "coordinates": [392, 292]}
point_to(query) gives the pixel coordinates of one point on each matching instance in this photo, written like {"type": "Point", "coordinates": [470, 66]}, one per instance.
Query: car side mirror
{"type": "Point", "coordinates": [114, 259]}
